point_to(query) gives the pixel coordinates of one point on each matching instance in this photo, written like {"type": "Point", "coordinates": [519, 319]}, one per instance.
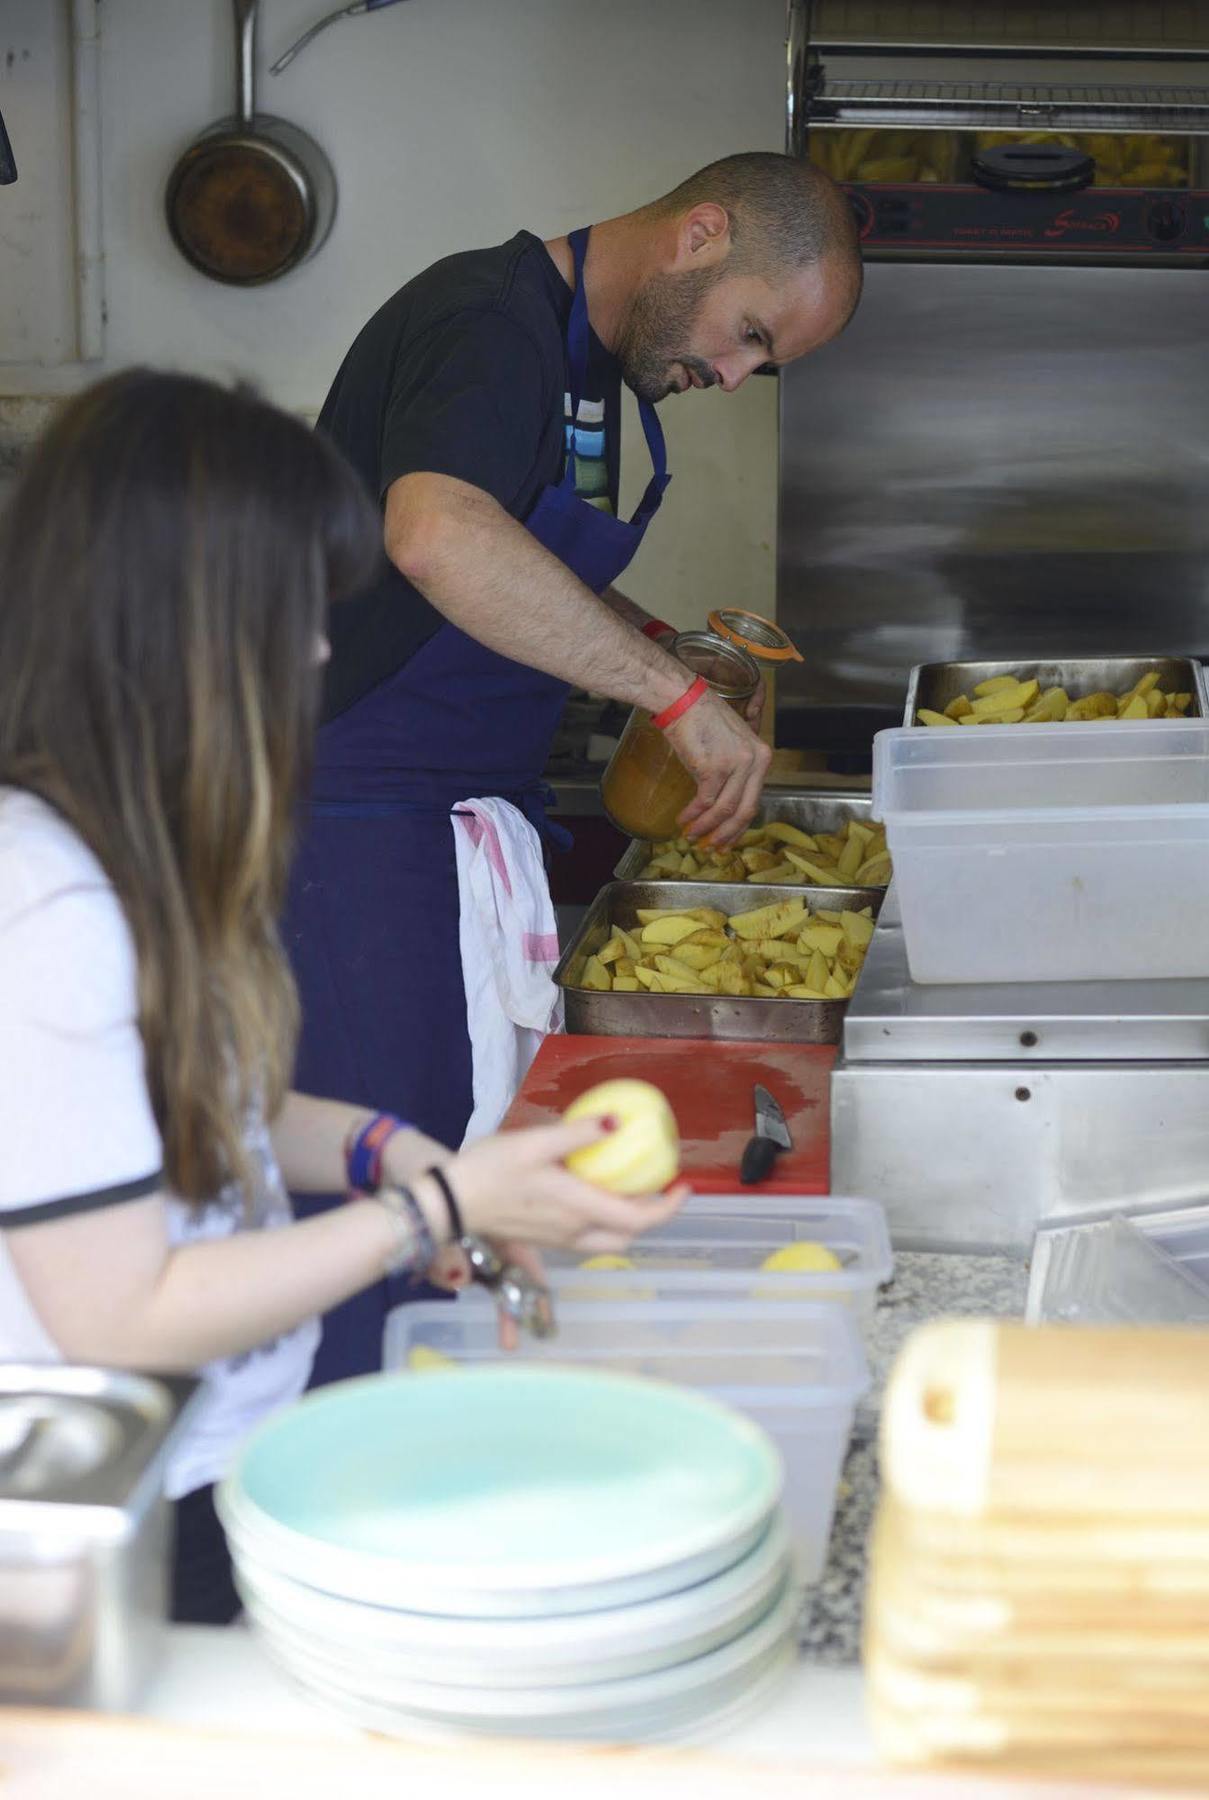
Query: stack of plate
{"type": "Point", "coordinates": [547, 1552]}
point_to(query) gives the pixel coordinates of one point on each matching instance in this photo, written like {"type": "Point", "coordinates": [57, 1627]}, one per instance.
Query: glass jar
{"type": "Point", "coordinates": [646, 786]}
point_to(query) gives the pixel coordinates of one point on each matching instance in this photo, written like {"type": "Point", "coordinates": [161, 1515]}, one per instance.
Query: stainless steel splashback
{"type": "Point", "coordinates": [993, 461]}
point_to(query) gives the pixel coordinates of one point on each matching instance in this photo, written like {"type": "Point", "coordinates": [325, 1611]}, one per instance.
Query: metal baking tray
{"type": "Point", "coordinates": [810, 810]}
{"type": "Point", "coordinates": [934, 684]}
{"type": "Point", "coordinates": [592, 1014]}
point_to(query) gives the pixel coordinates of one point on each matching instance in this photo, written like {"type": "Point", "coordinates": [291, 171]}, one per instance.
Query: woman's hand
{"type": "Point", "coordinates": [514, 1188]}
{"type": "Point", "coordinates": [452, 1270]}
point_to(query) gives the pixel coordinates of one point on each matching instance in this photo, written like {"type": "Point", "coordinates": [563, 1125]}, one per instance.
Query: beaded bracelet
{"type": "Point", "coordinates": [416, 1246]}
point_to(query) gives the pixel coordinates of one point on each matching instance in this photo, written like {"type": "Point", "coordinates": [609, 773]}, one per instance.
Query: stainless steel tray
{"type": "Point", "coordinates": [591, 1014]}
{"type": "Point", "coordinates": [934, 684]}
{"type": "Point", "coordinates": [809, 809]}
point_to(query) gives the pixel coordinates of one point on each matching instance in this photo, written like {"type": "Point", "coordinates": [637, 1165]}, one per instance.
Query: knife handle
{"type": "Point", "coordinates": [758, 1158]}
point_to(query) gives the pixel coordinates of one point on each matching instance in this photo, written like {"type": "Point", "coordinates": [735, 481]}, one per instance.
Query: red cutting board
{"type": "Point", "coordinates": [709, 1085]}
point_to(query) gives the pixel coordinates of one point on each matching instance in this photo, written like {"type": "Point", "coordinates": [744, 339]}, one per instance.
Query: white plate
{"type": "Point", "coordinates": [531, 1652]}
{"type": "Point", "coordinates": [637, 1708]}
{"type": "Point", "coordinates": [502, 1491]}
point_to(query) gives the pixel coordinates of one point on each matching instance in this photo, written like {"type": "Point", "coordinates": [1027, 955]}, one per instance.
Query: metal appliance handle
{"type": "Point", "coordinates": [245, 61]}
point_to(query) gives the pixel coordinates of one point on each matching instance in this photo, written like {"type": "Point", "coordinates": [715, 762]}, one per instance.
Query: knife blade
{"type": "Point", "coordinates": [771, 1137]}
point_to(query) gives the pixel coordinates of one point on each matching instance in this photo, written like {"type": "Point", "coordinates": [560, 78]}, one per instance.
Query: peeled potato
{"type": "Point", "coordinates": [801, 1258]}
{"type": "Point", "coordinates": [420, 1357]}
{"type": "Point", "coordinates": [643, 1155]}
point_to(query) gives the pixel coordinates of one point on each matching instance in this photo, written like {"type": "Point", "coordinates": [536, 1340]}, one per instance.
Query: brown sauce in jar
{"type": "Point", "coordinates": [646, 787]}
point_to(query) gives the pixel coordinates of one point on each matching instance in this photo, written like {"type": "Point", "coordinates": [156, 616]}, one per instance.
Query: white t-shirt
{"type": "Point", "coordinates": [76, 1126]}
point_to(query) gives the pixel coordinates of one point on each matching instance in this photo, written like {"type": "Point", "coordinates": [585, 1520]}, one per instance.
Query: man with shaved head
{"type": "Point", "coordinates": [481, 404]}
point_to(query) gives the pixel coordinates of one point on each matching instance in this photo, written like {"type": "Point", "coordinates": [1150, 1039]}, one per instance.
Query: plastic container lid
{"type": "Point", "coordinates": [1126, 764]}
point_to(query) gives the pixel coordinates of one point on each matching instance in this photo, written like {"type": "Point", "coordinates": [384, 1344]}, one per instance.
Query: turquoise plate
{"type": "Point", "coordinates": [501, 1489]}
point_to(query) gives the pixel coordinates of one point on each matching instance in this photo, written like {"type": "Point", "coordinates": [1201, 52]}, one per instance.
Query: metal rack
{"type": "Point", "coordinates": [980, 105]}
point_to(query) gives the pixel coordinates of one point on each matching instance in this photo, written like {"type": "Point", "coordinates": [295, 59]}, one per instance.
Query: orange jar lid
{"type": "Point", "coordinates": [757, 635]}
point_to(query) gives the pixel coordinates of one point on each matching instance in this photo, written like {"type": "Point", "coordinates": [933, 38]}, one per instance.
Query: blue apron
{"type": "Point", "coordinates": [372, 919]}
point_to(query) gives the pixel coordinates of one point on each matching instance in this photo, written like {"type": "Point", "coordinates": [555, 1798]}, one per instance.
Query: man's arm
{"type": "Point", "coordinates": [628, 609]}
{"type": "Point", "coordinates": [490, 577]}
{"type": "Point", "coordinates": [637, 616]}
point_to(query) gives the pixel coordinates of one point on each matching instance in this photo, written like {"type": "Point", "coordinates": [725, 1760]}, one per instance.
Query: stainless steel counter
{"type": "Point", "coordinates": [978, 1115]}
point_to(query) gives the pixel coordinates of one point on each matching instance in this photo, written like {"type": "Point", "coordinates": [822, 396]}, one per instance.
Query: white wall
{"type": "Point", "coordinates": [450, 123]}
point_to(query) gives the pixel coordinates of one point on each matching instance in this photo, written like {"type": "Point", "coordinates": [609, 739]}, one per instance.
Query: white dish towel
{"type": "Point", "coordinates": [509, 944]}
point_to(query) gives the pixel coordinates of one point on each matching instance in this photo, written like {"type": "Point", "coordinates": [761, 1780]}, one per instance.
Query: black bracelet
{"type": "Point", "coordinates": [451, 1206]}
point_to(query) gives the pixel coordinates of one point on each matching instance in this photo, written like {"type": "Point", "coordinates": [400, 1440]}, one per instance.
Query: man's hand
{"type": "Point", "coordinates": [729, 762]}
{"type": "Point", "coordinates": [753, 712]}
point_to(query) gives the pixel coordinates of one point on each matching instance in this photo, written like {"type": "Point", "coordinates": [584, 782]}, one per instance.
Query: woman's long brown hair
{"type": "Point", "coordinates": [166, 559]}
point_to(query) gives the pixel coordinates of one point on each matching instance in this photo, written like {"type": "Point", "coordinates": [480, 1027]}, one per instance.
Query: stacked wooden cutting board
{"type": "Point", "coordinates": [1039, 1586]}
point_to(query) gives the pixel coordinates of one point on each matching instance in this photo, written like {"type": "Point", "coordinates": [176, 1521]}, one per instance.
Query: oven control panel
{"type": "Point", "coordinates": [921, 218]}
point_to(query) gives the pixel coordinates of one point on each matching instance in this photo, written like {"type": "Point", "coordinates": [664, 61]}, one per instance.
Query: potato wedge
{"type": "Point", "coordinates": [926, 716]}
{"type": "Point", "coordinates": [782, 833]}
{"type": "Point", "coordinates": [874, 873]}
{"type": "Point", "coordinates": [817, 970]}
{"type": "Point", "coordinates": [857, 930]}
{"type": "Point", "coordinates": [755, 860]}
{"type": "Point", "coordinates": [767, 921]}
{"type": "Point", "coordinates": [595, 976]}
{"type": "Point", "coordinates": [850, 858]}
{"type": "Point", "coordinates": [668, 930]}
{"type": "Point", "coordinates": [819, 876]}
{"type": "Point", "coordinates": [822, 936]}
{"type": "Point", "coordinates": [708, 915]}
{"type": "Point", "coordinates": [697, 957]}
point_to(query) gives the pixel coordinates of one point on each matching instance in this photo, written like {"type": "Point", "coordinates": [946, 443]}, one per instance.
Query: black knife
{"type": "Point", "coordinates": [772, 1136]}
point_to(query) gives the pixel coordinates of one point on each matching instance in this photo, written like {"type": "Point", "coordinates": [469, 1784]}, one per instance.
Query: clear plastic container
{"type": "Point", "coordinates": [716, 1245]}
{"type": "Point", "coordinates": [797, 1368]}
{"type": "Point", "coordinates": [1123, 1271]}
{"type": "Point", "coordinates": [1049, 853]}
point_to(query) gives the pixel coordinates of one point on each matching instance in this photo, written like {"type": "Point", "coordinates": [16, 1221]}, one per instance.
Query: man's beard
{"type": "Point", "coordinates": [659, 326]}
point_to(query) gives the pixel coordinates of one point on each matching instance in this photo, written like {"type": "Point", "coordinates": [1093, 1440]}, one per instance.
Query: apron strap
{"type": "Point", "coordinates": [577, 371]}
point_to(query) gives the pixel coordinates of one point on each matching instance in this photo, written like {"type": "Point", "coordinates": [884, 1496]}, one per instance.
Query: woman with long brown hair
{"type": "Point", "coordinates": [166, 561]}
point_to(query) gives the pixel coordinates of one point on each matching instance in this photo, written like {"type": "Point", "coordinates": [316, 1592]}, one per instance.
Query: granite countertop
{"type": "Point", "coordinates": [925, 1286]}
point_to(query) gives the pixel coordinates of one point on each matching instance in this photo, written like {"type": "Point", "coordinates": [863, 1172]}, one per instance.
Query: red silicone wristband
{"type": "Point", "coordinates": [678, 708]}
{"type": "Point", "coordinates": [655, 628]}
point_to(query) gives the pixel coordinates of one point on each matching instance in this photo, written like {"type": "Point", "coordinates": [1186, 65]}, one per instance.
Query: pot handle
{"type": "Point", "coordinates": [245, 61]}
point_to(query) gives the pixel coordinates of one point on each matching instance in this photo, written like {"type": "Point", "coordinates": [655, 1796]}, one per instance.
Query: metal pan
{"type": "Point", "coordinates": [254, 196]}
{"type": "Point", "coordinates": [934, 684]}
{"type": "Point", "coordinates": [810, 810]}
{"type": "Point", "coordinates": [590, 1014]}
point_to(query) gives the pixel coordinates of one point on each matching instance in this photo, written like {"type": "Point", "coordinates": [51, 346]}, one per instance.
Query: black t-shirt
{"type": "Point", "coordinates": [461, 373]}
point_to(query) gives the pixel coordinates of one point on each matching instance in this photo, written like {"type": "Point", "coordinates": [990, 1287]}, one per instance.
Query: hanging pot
{"type": "Point", "coordinates": [254, 196]}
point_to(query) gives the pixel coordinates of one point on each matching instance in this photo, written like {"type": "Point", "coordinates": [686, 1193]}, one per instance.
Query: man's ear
{"type": "Point", "coordinates": [703, 237]}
